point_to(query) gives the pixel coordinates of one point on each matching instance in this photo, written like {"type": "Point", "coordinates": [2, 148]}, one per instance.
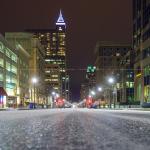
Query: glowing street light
{"type": "Point", "coordinates": [53, 93]}
{"type": "Point", "coordinates": [53, 98]}
{"type": "Point", "coordinates": [111, 80]}
{"type": "Point", "coordinates": [93, 93]}
{"type": "Point", "coordinates": [34, 81]}
{"type": "Point", "coordinates": [100, 89]}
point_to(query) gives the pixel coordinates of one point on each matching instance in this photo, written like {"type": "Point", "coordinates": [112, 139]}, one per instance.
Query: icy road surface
{"type": "Point", "coordinates": [74, 129]}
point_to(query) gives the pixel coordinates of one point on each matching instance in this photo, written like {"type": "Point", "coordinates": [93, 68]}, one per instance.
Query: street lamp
{"type": "Point", "coordinates": [53, 98]}
{"type": "Point", "coordinates": [93, 93]}
{"type": "Point", "coordinates": [100, 89]}
{"type": "Point", "coordinates": [34, 81]}
{"type": "Point", "coordinates": [111, 81]}
{"type": "Point", "coordinates": [53, 93]}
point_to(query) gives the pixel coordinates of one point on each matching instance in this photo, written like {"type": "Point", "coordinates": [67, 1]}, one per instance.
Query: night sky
{"type": "Point", "coordinates": [88, 21]}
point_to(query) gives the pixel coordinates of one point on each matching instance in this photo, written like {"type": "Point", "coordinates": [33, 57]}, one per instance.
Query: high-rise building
{"type": "Point", "coordinates": [108, 56]}
{"type": "Point", "coordinates": [8, 74]}
{"type": "Point", "coordinates": [141, 45]}
{"type": "Point", "coordinates": [126, 79]}
{"type": "Point", "coordinates": [54, 42]}
{"type": "Point", "coordinates": [28, 45]}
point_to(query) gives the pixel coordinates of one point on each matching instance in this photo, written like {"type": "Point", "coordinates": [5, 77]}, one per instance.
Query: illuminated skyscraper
{"type": "Point", "coordinates": [54, 42]}
{"type": "Point", "coordinates": [141, 45]}
{"type": "Point", "coordinates": [8, 74]}
{"type": "Point", "coordinates": [31, 62]}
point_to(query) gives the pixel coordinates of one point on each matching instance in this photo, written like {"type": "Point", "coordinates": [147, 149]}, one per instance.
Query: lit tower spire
{"type": "Point", "coordinates": [60, 20]}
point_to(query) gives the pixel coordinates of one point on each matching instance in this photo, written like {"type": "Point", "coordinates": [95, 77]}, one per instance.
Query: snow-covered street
{"type": "Point", "coordinates": [74, 129]}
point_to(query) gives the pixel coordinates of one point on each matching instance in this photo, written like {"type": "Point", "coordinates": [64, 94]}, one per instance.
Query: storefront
{"type": "Point", "coordinates": [12, 102]}
{"type": "Point", "coordinates": [147, 83]}
{"type": "Point", "coordinates": [3, 95]}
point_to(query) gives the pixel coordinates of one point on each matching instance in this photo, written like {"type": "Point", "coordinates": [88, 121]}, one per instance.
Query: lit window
{"type": "Point", "coordinates": [14, 57]}
{"type": "Point", "coordinates": [131, 84]}
{"type": "Point", "coordinates": [56, 88]}
{"type": "Point", "coordinates": [47, 80]}
{"type": "Point", "coordinates": [54, 39]}
{"type": "Point", "coordinates": [54, 76]}
{"type": "Point", "coordinates": [1, 62]}
{"type": "Point", "coordinates": [8, 80]}
{"type": "Point", "coordinates": [10, 86]}
{"type": "Point", "coordinates": [14, 69]}
{"type": "Point", "coordinates": [8, 53]}
{"type": "Point", "coordinates": [47, 71]}
{"type": "Point", "coordinates": [14, 80]}
{"type": "Point", "coordinates": [8, 66]}
{"type": "Point", "coordinates": [127, 84]}
{"type": "Point", "coordinates": [117, 54]}
{"type": "Point", "coordinates": [1, 77]}
{"type": "Point", "coordinates": [47, 60]}
{"type": "Point", "coordinates": [63, 78]}
{"type": "Point", "coordinates": [60, 29]}
{"type": "Point", "coordinates": [54, 80]}
{"type": "Point", "coordinates": [1, 47]}
{"type": "Point", "coordinates": [147, 70]}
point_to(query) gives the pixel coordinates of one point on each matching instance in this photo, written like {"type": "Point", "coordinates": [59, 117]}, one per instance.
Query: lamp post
{"type": "Point", "coordinates": [110, 81]}
{"type": "Point", "coordinates": [53, 97]}
{"type": "Point", "coordinates": [115, 93]}
{"type": "Point", "coordinates": [100, 89]}
{"type": "Point", "coordinates": [34, 81]}
{"type": "Point", "coordinates": [93, 93]}
{"type": "Point", "coordinates": [67, 87]}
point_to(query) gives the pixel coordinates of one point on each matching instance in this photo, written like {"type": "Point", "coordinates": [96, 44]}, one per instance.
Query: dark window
{"type": "Point", "coordinates": [146, 53]}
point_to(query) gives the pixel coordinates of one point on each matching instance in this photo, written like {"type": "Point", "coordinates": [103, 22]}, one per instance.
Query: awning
{"type": "Point", "coordinates": [2, 92]}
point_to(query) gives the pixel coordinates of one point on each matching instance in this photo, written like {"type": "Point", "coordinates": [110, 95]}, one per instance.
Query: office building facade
{"type": "Point", "coordinates": [141, 46]}
{"type": "Point", "coordinates": [30, 46]}
{"type": "Point", "coordinates": [108, 56]}
{"type": "Point", "coordinates": [54, 42]}
{"type": "Point", "coordinates": [8, 74]}
{"type": "Point", "coordinates": [126, 79]}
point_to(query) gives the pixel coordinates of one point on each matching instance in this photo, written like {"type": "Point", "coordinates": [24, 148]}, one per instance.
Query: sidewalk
{"type": "Point", "coordinates": [3, 109]}
{"type": "Point", "coordinates": [139, 109]}
{"type": "Point", "coordinates": [142, 109]}
{"type": "Point", "coordinates": [25, 108]}
{"type": "Point", "coordinates": [12, 109]}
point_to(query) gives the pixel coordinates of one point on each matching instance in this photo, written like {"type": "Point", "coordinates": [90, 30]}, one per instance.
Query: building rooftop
{"type": "Point", "coordinates": [6, 43]}
{"type": "Point", "coordinates": [111, 44]}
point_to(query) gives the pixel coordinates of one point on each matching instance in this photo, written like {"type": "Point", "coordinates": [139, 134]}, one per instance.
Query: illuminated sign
{"type": "Point", "coordinates": [138, 75]}
{"type": "Point", "coordinates": [91, 69]}
{"type": "Point", "coordinates": [60, 20]}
